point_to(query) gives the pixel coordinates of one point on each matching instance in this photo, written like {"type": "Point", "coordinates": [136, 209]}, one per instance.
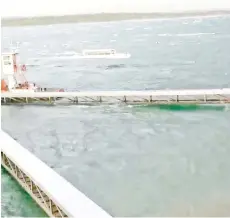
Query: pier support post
{"type": "Point", "coordinates": [205, 98]}
{"type": "Point", "coordinates": [150, 98]}
{"type": "Point", "coordinates": [177, 98]}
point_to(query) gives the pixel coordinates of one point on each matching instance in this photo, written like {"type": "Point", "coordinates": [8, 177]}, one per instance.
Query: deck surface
{"type": "Point", "coordinates": [191, 96]}
{"type": "Point", "coordinates": [71, 200]}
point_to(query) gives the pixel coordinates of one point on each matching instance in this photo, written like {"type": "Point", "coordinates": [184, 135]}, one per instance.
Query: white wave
{"type": "Point", "coordinates": [194, 34]}
{"type": "Point", "coordinates": [198, 20]}
{"type": "Point", "coordinates": [130, 106]}
{"type": "Point", "coordinates": [164, 34]}
{"type": "Point", "coordinates": [185, 34]}
{"type": "Point", "coordinates": [185, 22]}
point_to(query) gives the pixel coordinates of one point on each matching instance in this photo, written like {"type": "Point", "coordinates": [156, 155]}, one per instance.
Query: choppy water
{"type": "Point", "coordinates": [140, 160]}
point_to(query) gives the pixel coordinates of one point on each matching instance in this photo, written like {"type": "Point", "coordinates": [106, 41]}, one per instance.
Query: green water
{"type": "Point", "coordinates": [178, 107]}
{"type": "Point", "coordinates": [139, 154]}
{"type": "Point", "coordinates": [15, 201]}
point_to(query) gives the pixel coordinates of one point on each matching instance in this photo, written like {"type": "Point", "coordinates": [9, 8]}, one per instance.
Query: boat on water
{"type": "Point", "coordinates": [102, 54]}
{"type": "Point", "coordinates": [13, 76]}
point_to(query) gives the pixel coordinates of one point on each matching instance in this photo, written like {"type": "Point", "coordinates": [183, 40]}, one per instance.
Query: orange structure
{"type": "Point", "coordinates": [4, 86]}
{"type": "Point", "coordinates": [13, 75]}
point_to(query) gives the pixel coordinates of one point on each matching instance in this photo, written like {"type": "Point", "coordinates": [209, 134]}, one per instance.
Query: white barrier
{"type": "Point", "coordinates": [182, 92]}
{"type": "Point", "coordinates": [56, 196]}
{"type": "Point", "coordinates": [190, 96]}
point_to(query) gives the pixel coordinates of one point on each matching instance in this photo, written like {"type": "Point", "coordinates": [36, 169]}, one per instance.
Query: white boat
{"type": "Point", "coordinates": [103, 53]}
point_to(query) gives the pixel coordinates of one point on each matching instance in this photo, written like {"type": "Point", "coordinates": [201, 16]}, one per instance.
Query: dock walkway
{"type": "Point", "coordinates": [190, 96]}
{"type": "Point", "coordinates": [55, 195]}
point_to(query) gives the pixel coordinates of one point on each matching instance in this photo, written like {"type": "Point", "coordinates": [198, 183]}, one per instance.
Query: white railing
{"type": "Point", "coordinates": [55, 195]}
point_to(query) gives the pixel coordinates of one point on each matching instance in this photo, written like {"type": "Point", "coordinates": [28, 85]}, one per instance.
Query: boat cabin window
{"type": "Point", "coordinates": [6, 60]}
{"type": "Point", "coordinates": [6, 57]}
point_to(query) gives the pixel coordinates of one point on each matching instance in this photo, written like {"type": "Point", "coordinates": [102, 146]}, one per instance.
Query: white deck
{"type": "Point", "coordinates": [72, 202]}
{"type": "Point", "coordinates": [200, 96]}
{"type": "Point", "coordinates": [188, 92]}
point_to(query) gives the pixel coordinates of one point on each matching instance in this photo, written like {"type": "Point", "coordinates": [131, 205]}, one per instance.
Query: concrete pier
{"type": "Point", "coordinates": [190, 96]}
{"type": "Point", "coordinates": [55, 195]}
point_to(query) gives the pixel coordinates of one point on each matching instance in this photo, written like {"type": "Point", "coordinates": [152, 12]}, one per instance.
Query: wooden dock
{"type": "Point", "coordinates": [190, 96]}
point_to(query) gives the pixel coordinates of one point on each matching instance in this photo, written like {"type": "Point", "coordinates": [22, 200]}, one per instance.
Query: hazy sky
{"type": "Point", "coordinates": [61, 7]}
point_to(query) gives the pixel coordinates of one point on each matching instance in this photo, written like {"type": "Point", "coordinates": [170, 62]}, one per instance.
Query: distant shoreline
{"type": "Point", "coordinates": [102, 17]}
